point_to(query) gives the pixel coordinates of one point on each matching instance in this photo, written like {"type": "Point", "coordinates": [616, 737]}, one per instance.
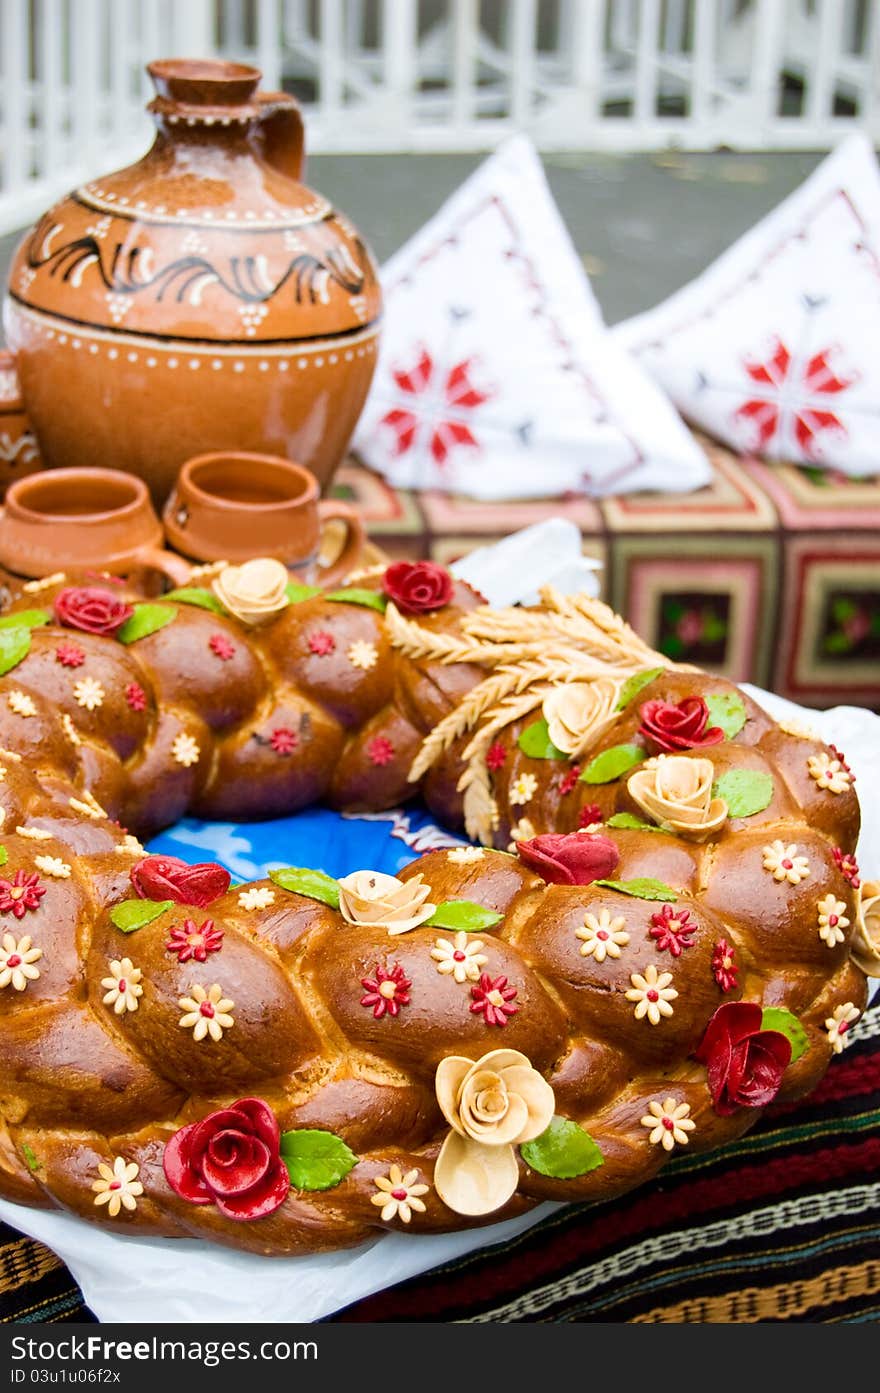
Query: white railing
{"type": "Point", "coordinates": [389, 75]}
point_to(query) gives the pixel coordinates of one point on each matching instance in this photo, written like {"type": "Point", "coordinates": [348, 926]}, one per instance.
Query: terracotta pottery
{"type": "Point", "coordinates": [19, 455]}
{"type": "Point", "coordinates": [73, 519]}
{"type": "Point", "coordinates": [202, 299]}
{"type": "Point", "coordinates": [232, 506]}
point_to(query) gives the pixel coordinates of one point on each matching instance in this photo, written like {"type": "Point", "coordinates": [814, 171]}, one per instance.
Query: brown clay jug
{"type": "Point", "coordinates": [202, 299]}
{"type": "Point", "coordinates": [19, 455]}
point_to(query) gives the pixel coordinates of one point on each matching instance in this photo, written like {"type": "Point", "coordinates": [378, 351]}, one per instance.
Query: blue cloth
{"type": "Point", "coordinates": [323, 840]}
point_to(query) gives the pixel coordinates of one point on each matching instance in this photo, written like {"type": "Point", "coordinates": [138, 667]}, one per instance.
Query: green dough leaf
{"type": "Point", "coordinates": [633, 685]}
{"type": "Point", "coordinates": [611, 763]}
{"type": "Point", "coordinates": [777, 1018]}
{"type": "Point", "coordinates": [4, 855]}
{"type": "Point", "coordinates": [643, 888]}
{"type": "Point", "coordinates": [147, 619]}
{"type": "Point", "coordinates": [15, 644]}
{"type": "Point", "coordinates": [26, 619]}
{"type": "Point", "coordinates": [31, 1159]}
{"type": "Point", "coordinates": [315, 1160]}
{"type": "Point", "coordinates": [630, 820]}
{"type": "Point", "coordinates": [564, 1151]}
{"type": "Point", "coordinates": [727, 710]}
{"type": "Point", "coordinates": [745, 791]}
{"type": "Point", "coordinates": [301, 881]}
{"type": "Point", "coordinates": [136, 914]}
{"type": "Point", "coordinates": [462, 914]}
{"type": "Point", "coordinates": [195, 595]}
{"type": "Point", "coordinates": [296, 593]}
{"type": "Point", "coordinates": [372, 599]}
{"type": "Point", "coordinates": [535, 741]}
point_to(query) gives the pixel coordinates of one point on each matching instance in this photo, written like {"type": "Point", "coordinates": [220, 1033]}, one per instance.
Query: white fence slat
{"type": "Point", "coordinates": [705, 65]}
{"type": "Point", "coordinates": [820, 84]}
{"type": "Point", "coordinates": [330, 70]}
{"type": "Point", "coordinates": [85, 34]}
{"type": "Point", "coordinates": [51, 144]}
{"type": "Point", "coordinates": [400, 23]}
{"type": "Point", "coordinates": [645, 102]}
{"type": "Point", "coordinates": [523, 37]}
{"type": "Point", "coordinates": [586, 32]}
{"type": "Point", "coordinates": [767, 49]}
{"type": "Point", "coordinates": [268, 55]}
{"type": "Point", "coordinates": [465, 32]}
{"type": "Point", "coordinates": [13, 97]}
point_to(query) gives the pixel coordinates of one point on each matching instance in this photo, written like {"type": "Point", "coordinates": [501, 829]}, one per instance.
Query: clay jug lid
{"type": "Point", "coordinates": [204, 81]}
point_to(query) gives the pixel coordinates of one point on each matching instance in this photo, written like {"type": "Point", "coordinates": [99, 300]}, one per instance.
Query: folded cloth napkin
{"type": "Point", "coordinates": [497, 377]}
{"type": "Point", "coordinates": [775, 348]}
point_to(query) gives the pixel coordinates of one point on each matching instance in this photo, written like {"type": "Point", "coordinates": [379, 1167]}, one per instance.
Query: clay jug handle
{"type": "Point", "coordinates": [280, 133]}
{"type": "Point", "coordinates": [355, 539]}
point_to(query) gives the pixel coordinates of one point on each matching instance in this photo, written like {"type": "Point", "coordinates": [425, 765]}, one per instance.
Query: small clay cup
{"type": "Point", "coordinates": [233, 506]}
{"type": "Point", "coordinates": [76, 519]}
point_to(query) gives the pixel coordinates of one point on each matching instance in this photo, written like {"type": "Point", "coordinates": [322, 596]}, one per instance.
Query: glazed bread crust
{"type": "Point", "coordinates": [81, 1084]}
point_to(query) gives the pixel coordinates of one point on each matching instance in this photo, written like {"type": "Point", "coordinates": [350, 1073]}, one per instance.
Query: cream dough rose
{"type": "Point", "coordinates": [578, 713]}
{"type": "Point", "coordinates": [677, 793]}
{"type": "Point", "coordinates": [380, 901]}
{"type": "Point", "coordinates": [866, 945]}
{"type": "Point", "coordinates": [254, 592]}
{"type": "Point", "coordinates": [492, 1105]}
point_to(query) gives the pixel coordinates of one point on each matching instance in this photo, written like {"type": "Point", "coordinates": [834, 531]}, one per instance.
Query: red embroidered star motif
{"type": "Point", "coordinates": [283, 740]}
{"type": "Point", "coordinates": [386, 991]}
{"type": "Point", "coordinates": [192, 940]}
{"type": "Point", "coordinates": [136, 696]}
{"type": "Point", "coordinates": [670, 929]}
{"type": "Point", "coordinates": [380, 750]}
{"type": "Point", "coordinates": [21, 893]}
{"type": "Point", "coordinates": [437, 404]}
{"type": "Point", "coordinates": [789, 405]}
{"type": "Point", "coordinates": [222, 647]}
{"type": "Point", "coordinates": [495, 756]}
{"type": "Point", "coordinates": [848, 866]}
{"type": "Point", "coordinates": [493, 997]}
{"type": "Point", "coordinates": [569, 781]}
{"type": "Point", "coordinates": [724, 968]}
{"type": "Point", "coordinates": [321, 643]}
{"type": "Point", "coordinates": [69, 655]}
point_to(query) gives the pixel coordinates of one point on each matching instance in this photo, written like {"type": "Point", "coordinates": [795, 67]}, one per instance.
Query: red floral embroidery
{"type": "Point", "coordinates": [790, 401]}
{"type": "Point", "coordinates": [589, 815]}
{"type": "Point", "coordinates": [569, 780]}
{"type": "Point", "coordinates": [222, 647]}
{"type": "Point", "coordinates": [495, 756]}
{"type": "Point", "coordinates": [437, 402]}
{"type": "Point", "coordinates": [493, 998]}
{"type": "Point", "coordinates": [380, 750]}
{"type": "Point", "coordinates": [670, 929]}
{"type": "Point", "coordinates": [136, 696]}
{"type": "Point", "coordinates": [192, 940]}
{"type": "Point", "coordinates": [386, 991]}
{"type": "Point", "coordinates": [322, 643]}
{"type": "Point", "coordinates": [848, 866]}
{"type": "Point", "coordinates": [69, 655]}
{"type": "Point", "coordinates": [283, 740]}
{"type": "Point", "coordinates": [724, 966]}
{"type": "Point", "coordinates": [21, 893]}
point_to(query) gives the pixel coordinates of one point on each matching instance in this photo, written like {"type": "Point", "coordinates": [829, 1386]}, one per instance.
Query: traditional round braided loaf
{"type": "Point", "coordinates": [359, 1030]}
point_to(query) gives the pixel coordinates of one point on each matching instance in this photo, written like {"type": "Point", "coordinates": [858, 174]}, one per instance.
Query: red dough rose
{"type": "Point", "coordinates": [91, 609]}
{"type": "Point", "coordinates": [679, 725]}
{"type": "Point", "coordinates": [169, 878]}
{"type": "Point", "coordinates": [744, 1063]}
{"type": "Point", "coordinates": [232, 1159]}
{"type": "Point", "coordinates": [418, 586]}
{"type": "Point", "coordinates": [573, 859]}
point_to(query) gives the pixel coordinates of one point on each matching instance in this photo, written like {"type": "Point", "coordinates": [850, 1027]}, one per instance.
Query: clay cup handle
{"type": "Point", "coordinates": [330, 509]}
{"type": "Point", "coordinates": [280, 133]}
{"type": "Point", "coordinates": [168, 563]}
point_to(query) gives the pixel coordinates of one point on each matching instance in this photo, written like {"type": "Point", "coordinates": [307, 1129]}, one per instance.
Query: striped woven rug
{"type": "Point", "coordinates": [782, 1226]}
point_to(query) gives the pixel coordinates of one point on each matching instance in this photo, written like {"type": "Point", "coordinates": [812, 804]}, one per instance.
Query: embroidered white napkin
{"type": "Point", "coordinates": [775, 348]}
{"type": "Point", "coordinates": [497, 377]}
